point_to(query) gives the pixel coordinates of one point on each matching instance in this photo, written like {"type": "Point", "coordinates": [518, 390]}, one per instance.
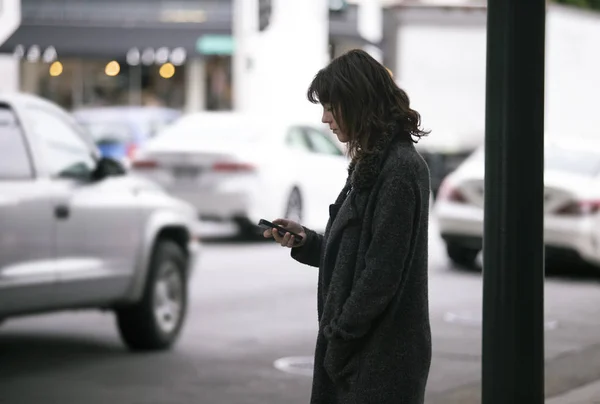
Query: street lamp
{"type": "Point", "coordinates": [513, 242]}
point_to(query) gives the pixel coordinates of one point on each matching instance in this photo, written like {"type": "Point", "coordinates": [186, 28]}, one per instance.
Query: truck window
{"type": "Point", "coordinates": [15, 163]}
{"type": "Point", "coordinates": [67, 153]}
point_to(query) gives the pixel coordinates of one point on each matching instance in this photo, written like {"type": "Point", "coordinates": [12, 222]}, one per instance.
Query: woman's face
{"type": "Point", "coordinates": [333, 125]}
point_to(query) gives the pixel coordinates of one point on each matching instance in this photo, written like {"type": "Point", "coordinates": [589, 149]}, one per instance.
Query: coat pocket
{"type": "Point", "coordinates": [342, 361]}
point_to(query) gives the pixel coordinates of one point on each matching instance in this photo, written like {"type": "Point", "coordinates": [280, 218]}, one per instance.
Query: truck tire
{"type": "Point", "coordinates": [154, 323]}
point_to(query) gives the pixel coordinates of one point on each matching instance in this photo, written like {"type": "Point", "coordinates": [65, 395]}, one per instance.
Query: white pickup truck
{"type": "Point", "coordinates": [77, 231]}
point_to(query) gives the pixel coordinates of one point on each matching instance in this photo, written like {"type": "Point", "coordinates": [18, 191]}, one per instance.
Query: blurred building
{"type": "Point", "coordinates": [437, 52]}
{"type": "Point", "coordinates": [139, 52]}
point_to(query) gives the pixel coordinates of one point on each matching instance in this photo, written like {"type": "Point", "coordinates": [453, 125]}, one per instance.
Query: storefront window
{"type": "Point", "coordinates": [90, 82]}
{"type": "Point", "coordinates": [218, 83]}
{"type": "Point", "coordinates": [77, 82]}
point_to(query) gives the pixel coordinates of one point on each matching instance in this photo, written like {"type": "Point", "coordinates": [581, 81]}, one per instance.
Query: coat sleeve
{"type": "Point", "coordinates": [310, 252]}
{"type": "Point", "coordinates": [394, 220]}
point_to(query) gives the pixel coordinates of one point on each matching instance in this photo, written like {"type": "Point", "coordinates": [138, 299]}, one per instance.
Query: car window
{"type": "Point", "coordinates": [225, 131]}
{"type": "Point", "coordinates": [14, 155]}
{"type": "Point", "coordinates": [296, 139]}
{"type": "Point", "coordinates": [66, 152]}
{"type": "Point", "coordinates": [321, 143]}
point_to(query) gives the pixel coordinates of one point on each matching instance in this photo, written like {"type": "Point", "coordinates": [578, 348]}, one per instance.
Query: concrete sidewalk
{"type": "Point", "coordinates": [587, 394]}
{"type": "Point", "coordinates": [570, 378]}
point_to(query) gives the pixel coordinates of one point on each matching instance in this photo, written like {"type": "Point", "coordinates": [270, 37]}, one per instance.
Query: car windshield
{"type": "Point", "coordinates": [213, 132]}
{"type": "Point", "coordinates": [150, 126]}
{"type": "Point", "coordinates": [583, 162]}
{"type": "Point", "coordinates": [154, 126]}
{"type": "Point", "coordinates": [105, 131]}
{"type": "Point", "coordinates": [569, 160]}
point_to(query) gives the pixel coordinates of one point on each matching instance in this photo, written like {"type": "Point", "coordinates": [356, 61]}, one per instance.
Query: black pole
{"type": "Point", "coordinates": [513, 276]}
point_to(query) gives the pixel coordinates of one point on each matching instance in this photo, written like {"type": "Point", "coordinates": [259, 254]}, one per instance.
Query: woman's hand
{"type": "Point", "coordinates": [288, 240]}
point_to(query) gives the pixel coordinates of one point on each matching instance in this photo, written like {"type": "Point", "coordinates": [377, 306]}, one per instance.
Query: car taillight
{"type": "Point", "coordinates": [131, 149]}
{"type": "Point", "coordinates": [144, 164]}
{"type": "Point", "coordinates": [449, 193]}
{"type": "Point", "coordinates": [232, 167]}
{"type": "Point", "coordinates": [579, 208]}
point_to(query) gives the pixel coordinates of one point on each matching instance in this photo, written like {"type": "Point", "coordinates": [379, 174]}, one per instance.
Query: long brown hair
{"type": "Point", "coordinates": [365, 101]}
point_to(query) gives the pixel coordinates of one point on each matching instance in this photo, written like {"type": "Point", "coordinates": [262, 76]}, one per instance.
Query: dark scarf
{"type": "Point", "coordinates": [363, 172]}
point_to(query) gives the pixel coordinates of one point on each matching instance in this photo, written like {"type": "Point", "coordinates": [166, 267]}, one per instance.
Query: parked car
{"type": "Point", "coordinates": [445, 151]}
{"type": "Point", "coordinates": [78, 232]}
{"type": "Point", "coordinates": [243, 168]}
{"type": "Point", "coordinates": [120, 130]}
{"type": "Point", "coordinates": [571, 203]}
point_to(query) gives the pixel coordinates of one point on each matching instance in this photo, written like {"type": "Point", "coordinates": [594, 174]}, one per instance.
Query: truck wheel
{"type": "Point", "coordinates": [155, 322]}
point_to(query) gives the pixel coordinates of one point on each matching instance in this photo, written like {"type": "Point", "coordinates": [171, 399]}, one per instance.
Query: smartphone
{"type": "Point", "coordinates": [265, 224]}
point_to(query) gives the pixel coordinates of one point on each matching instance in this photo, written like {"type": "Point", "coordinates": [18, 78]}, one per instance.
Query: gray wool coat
{"type": "Point", "coordinates": [374, 340]}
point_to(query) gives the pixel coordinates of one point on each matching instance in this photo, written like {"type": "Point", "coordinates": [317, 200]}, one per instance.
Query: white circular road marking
{"type": "Point", "coordinates": [297, 365]}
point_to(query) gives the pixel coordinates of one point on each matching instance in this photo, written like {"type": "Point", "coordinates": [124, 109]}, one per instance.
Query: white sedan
{"type": "Point", "coordinates": [571, 203]}
{"type": "Point", "coordinates": [243, 168]}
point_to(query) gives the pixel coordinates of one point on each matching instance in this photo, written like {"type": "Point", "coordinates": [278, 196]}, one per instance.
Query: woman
{"type": "Point", "coordinates": [374, 341]}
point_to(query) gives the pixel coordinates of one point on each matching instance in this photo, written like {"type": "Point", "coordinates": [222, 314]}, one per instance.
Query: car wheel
{"type": "Point", "coordinates": [155, 322]}
{"type": "Point", "coordinates": [462, 256]}
{"type": "Point", "coordinates": [293, 209]}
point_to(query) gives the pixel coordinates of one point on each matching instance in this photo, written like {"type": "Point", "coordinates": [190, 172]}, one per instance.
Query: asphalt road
{"type": "Point", "coordinates": [252, 306]}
